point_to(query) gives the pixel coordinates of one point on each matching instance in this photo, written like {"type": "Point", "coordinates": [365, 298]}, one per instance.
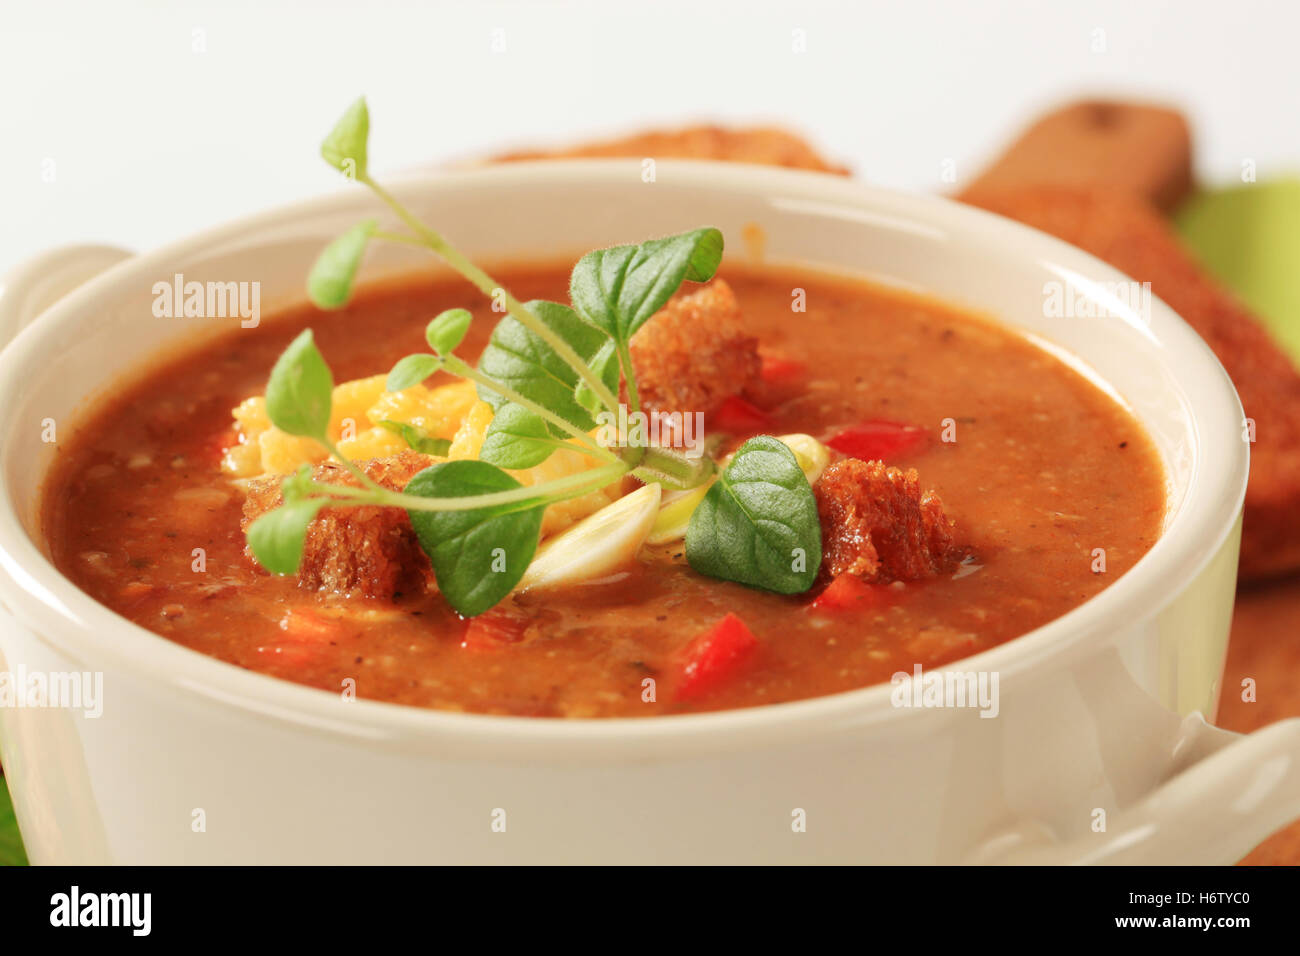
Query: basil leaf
{"type": "Point", "coordinates": [276, 538]}
{"type": "Point", "coordinates": [448, 330]}
{"type": "Point", "coordinates": [758, 524]}
{"type": "Point", "coordinates": [416, 440]}
{"type": "Point", "coordinates": [345, 147]}
{"type": "Point", "coordinates": [477, 555]}
{"type": "Point", "coordinates": [411, 370]}
{"type": "Point", "coordinates": [330, 282]}
{"type": "Point", "coordinates": [517, 438]}
{"type": "Point", "coordinates": [620, 288]}
{"type": "Point", "coordinates": [299, 394]}
{"type": "Point", "coordinates": [521, 360]}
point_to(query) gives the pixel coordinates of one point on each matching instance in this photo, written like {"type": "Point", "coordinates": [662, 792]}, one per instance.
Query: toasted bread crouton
{"type": "Point", "coordinates": [1131, 236]}
{"type": "Point", "coordinates": [764, 146]}
{"type": "Point", "coordinates": [878, 526]}
{"type": "Point", "coordinates": [694, 353]}
{"type": "Point", "coordinates": [367, 550]}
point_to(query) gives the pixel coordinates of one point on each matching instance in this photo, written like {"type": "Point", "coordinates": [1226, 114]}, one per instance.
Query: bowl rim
{"type": "Point", "coordinates": [62, 615]}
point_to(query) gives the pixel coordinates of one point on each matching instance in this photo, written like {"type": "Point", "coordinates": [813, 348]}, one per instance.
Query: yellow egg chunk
{"type": "Point", "coordinates": [358, 406]}
{"type": "Point", "coordinates": [282, 453]}
{"type": "Point", "coordinates": [436, 412]}
{"type": "Point", "coordinates": [352, 401]}
{"type": "Point", "coordinates": [468, 440]}
{"type": "Point", "coordinates": [372, 443]}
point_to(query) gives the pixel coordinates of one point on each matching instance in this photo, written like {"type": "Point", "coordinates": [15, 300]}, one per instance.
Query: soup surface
{"type": "Point", "coordinates": [1053, 488]}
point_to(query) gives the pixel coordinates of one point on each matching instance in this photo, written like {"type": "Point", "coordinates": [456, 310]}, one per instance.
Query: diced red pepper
{"type": "Point", "coordinates": [492, 630]}
{"type": "Point", "coordinates": [781, 372]}
{"type": "Point", "coordinates": [714, 657]}
{"type": "Point", "coordinates": [877, 440]}
{"type": "Point", "coordinates": [309, 627]}
{"type": "Point", "coordinates": [739, 417]}
{"type": "Point", "coordinates": [305, 634]}
{"type": "Point", "coordinates": [848, 593]}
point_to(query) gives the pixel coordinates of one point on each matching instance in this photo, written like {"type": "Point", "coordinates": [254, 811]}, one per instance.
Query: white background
{"type": "Point", "coordinates": [158, 119]}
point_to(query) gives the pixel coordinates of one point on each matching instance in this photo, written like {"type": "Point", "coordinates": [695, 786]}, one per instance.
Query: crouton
{"type": "Point", "coordinates": [694, 354]}
{"type": "Point", "coordinates": [1131, 236]}
{"type": "Point", "coordinates": [368, 550]}
{"type": "Point", "coordinates": [764, 146]}
{"type": "Point", "coordinates": [877, 524]}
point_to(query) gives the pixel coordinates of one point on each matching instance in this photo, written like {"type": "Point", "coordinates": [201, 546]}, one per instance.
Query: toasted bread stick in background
{"type": "Point", "coordinates": [1130, 235]}
{"type": "Point", "coordinates": [1124, 147]}
{"type": "Point", "coordinates": [766, 146]}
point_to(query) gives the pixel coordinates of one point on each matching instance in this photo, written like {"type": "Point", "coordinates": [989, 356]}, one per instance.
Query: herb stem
{"type": "Point", "coordinates": [570, 486]}
{"type": "Point", "coordinates": [490, 287]}
{"type": "Point", "coordinates": [398, 237]}
{"type": "Point", "coordinates": [457, 366]}
{"type": "Point", "coordinates": [625, 360]}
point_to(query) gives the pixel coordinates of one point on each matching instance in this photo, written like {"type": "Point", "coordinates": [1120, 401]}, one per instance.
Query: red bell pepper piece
{"type": "Point", "coordinates": [781, 372]}
{"type": "Point", "coordinates": [848, 593]}
{"type": "Point", "coordinates": [877, 440]}
{"type": "Point", "coordinates": [714, 657]}
{"type": "Point", "coordinates": [492, 630]}
{"type": "Point", "coordinates": [739, 417]}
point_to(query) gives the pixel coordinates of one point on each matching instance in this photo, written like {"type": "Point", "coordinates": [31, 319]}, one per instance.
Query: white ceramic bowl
{"type": "Point", "coordinates": [1100, 710]}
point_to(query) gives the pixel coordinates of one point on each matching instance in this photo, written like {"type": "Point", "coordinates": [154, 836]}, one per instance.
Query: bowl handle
{"type": "Point", "coordinates": [1228, 792]}
{"type": "Point", "coordinates": [33, 286]}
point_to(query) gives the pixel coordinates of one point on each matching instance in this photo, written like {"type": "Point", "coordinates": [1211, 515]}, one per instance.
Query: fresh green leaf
{"type": "Point", "coordinates": [517, 438]}
{"type": "Point", "coordinates": [300, 391]}
{"type": "Point", "coordinates": [448, 330]}
{"type": "Point", "coordinates": [758, 523]}
{"type": "Point", "coordinates": [411, 370]}
{"type": "Point", "coordinates": [330, 282]}
{"type": "Point", "coordinates": [478, 555]}
{"type": "Point", "coordinates": [11, 842]}
{"type": "Point", "coordinates": [521, 360]}
{"type": "Point", "coordinates": [416, 439]}
{"type": "Point", "coordinates": [297, 485]}
{"type": "Point", "coordinates": [345, 148]}
{"type": "Point", "coordinates": [620, 288]}
{"type": "Point", "coordinates": [276, 538]}
{"type": "Point", "coordinates": [605, 364]}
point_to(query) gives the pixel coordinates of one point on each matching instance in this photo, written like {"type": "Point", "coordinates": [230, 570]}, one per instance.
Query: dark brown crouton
{"type": "Point", "coordinates": [694, 354]}
{"type": "Point", "coordinates": [877, 525]}
{"type": "Point", "coordinates": [367, 550]}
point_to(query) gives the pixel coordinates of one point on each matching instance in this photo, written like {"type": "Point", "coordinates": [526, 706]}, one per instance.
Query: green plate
{"type": "Point", "coordinates": [1249, 236]}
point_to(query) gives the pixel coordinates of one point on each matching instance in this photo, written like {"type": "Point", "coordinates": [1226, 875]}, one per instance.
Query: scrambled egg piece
{"type": "Point", "coordinates": [358, 408]}
{"type": "Point", "coordinates": [447, 411]}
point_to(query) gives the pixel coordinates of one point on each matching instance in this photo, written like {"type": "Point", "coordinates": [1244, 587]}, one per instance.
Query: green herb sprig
{"type": "Point", "coordinates": [548, 371]}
